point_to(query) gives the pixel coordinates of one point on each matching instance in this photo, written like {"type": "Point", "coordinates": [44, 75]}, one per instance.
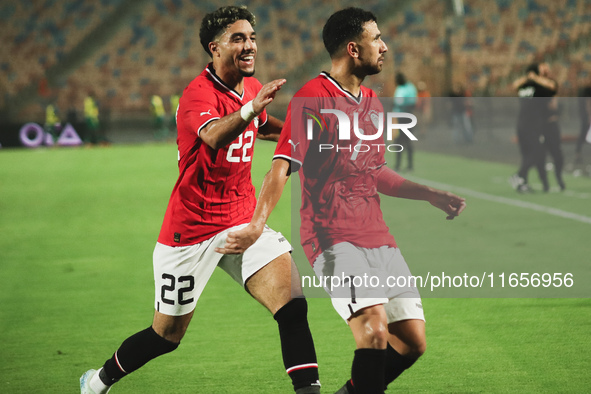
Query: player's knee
{"type": "Point", "coordinates": [374, 334]}
{"type": "Point", "coordinates": [171, 328]}
{"type": "Point", "coordinates": [174, 335]}
{"type": "Point", "coordinates": [417, 349]}
{"type": "Point", "coordinates": [379, 333]}
{"type": "Point", "coordinates": [172, 332]}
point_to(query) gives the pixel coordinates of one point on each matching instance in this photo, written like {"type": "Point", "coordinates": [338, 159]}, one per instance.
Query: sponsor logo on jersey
{"type": "Point", "coordinates": [294, 145]}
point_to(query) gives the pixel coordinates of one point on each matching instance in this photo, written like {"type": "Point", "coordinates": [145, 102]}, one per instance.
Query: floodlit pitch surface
{"type": "Point", "coordinates": [77, 231]}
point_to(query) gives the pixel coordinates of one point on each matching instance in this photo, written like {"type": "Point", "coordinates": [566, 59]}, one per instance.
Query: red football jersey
{"type": "Point", "coordinates": [214, 190]}
{"type": "Point", "coordinates": [340, 201]}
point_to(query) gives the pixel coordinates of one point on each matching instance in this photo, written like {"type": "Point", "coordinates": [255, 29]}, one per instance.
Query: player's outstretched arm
{"type": "Point", "coordinates": [392, 184]}
{"type": "Point", "coordinates": [448, 202]}
{"type": "Point", "coordinates": [222, 132]}
{"type": "Point", "coordinates": [272, 188]}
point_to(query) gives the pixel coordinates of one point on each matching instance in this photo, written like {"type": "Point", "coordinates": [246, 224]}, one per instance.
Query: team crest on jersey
{"type": "Point", "coordinates": [375, 118]}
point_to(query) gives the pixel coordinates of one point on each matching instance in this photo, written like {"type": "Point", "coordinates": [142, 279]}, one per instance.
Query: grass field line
{"type": "Point", "coordinates": [555, 189]}
{"type": "Point", "coordinates": [464, 192]}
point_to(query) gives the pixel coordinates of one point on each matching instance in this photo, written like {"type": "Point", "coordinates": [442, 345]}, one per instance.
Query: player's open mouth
{"type": "Point", "coordinates": [248, 60]}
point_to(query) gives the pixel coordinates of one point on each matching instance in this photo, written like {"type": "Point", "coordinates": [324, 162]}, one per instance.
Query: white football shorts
{"type": "Point", "coordinates": [181, 273]}
{"type": "Point", "coordinates": [358, 278]}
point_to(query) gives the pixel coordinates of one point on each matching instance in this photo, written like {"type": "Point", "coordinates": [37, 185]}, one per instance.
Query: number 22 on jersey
{"type": "Point", "coordinates": [238, 151]}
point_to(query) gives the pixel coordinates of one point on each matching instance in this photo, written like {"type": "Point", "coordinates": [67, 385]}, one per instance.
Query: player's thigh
{"type": "Point", "coordinates": [272, 285]}
{"type": "Point", "coordinates": [345, 273]}
{"type": "Point", "coordinates": [404, 299]}
{"type": "Point", "coordinates": [392, 273]}
{"type": "Point", "coordinates": [181, 273]}
{"type": "Point", "coordinates": [265, 270]}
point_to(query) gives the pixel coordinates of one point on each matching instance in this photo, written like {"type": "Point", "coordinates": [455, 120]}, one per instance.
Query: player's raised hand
{"type": "Point", "coordinates": [238, 241]}
{"type": "Point", "coordinates": [266, 95]}
{"type": "Point", "coordinates": [449, 203]}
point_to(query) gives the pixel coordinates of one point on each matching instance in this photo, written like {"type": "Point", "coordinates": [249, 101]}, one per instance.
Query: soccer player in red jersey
{"type": "Point", "coordinates": [219, 116]}
{"type": "Point", "coordinates": [343, 232]}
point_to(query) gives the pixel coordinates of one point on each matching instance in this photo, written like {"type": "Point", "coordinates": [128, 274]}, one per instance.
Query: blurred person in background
{"type": "Point", "coordinates": [463, 133]}
{"type": "Point", "coordinates": [159, 116]}
{"type": "Point", "coordinates": [91, 119]}
{"type": "Point", "coordinates": [585, 115]}
{"type": "Point", "coordinates": [424, 110]}
{"type": "Point", "coordinates": [551, 139]}
{"type": "Point", "coordinates": [72, 114]}
{"type": "Point", "coordinates": [53, 124]}
{"type": "Point", "coordinates": [535, 94]}
{"type": "Point", "coordinates": [174, 104]}
{"type": "Point", "coordinates": [405, 100]}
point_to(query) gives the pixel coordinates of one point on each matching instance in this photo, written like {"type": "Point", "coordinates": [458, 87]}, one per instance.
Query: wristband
{"type": "Point", "coordinates": [247, 112]}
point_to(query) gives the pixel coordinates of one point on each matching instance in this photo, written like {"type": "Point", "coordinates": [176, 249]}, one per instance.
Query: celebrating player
{"type": "Point", "coordinates": [343, 232]}
{"type": "Point", "coordinates": [218, 118]}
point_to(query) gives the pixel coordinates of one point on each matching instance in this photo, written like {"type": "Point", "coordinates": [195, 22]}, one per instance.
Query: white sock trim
{"type": "Point", "coordinates": [301, 366]}
{"type": "Point", "coordinates": [97, 385]}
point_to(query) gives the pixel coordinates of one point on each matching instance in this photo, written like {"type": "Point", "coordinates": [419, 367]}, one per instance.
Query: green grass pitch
{"type": "Point", "coordinates": [78, 227]}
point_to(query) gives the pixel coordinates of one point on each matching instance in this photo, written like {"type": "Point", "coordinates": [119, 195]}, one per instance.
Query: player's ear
{"type": "Point", "coordinates": [353, 49]}
{"type": "Point", "coordinates": [213, 47]}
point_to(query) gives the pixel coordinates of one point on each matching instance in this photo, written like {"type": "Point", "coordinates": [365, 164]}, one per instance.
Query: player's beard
{"type": "Point", "coordinates": [245, 73]}
{"type": "Point", "coordinates": [372, 69]}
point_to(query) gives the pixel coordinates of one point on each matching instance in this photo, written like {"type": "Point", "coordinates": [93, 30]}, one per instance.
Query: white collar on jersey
{"type": "Point", "coordinates": [217, 79]}
{"type": "Point", "coordinates": [338, 85]}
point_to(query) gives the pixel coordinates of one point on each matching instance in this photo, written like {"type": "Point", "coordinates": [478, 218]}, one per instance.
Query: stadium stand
{"type": "Point", "coordinates": [491, 43]}
{"type": "Point", "coordinates": [37, 34]}
{"type": "Point", "coordinates": [158, 49]}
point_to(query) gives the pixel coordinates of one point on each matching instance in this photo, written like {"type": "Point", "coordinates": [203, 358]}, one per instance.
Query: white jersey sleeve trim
{"type": "Point", "coordinates": [295, 164]}
{"type": "Point", "coordinates": [286, 158]}
{"type": "Point", "coordinates": [208, 121]}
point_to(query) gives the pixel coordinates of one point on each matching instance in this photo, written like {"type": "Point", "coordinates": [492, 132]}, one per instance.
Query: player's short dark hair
{"type": "Point", "coordinates": [216, 22]}
{"type": "Point", "coordinates": [344, 26]}
{"type": "Point", "coordinates": [535, 67]}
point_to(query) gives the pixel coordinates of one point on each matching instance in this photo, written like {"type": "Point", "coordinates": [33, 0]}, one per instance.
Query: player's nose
{"type": "Point", "coordinates": [250, 45]}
